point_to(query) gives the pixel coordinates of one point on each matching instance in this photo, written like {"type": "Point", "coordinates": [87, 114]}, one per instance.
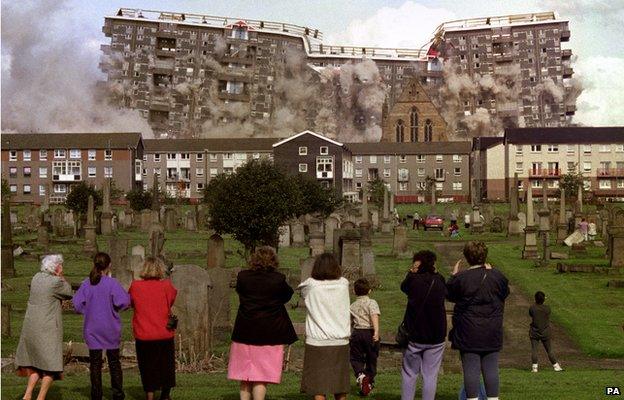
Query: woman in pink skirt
{"type": "Point", "coordinates": [262, 326]}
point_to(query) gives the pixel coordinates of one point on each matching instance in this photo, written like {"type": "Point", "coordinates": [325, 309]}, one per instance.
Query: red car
{"type": "Point", "coordinates": [434, 221]}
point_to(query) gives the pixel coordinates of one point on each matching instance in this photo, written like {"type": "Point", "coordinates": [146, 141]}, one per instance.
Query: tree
{"type": "Point", "coordinates": [571, 182]}
{"type": "Point", "coordinates": [78, 199]}
{"type": "Point", "coordinates": [139, 199]}
{"type": "Point", "coordinates": [376, 190]}
{"type": "Point", "coordinates": [316, 198]}
{"type": "Point", "coordinates": [116, 193]}
{"type": "Point", "coordinates": [252, 203]}
{"type": "Point", "coordinates": [6, 190]}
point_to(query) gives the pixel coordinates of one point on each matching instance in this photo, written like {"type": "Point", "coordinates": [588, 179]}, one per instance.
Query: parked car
{"type": "Point", "coordinates": [434, 221]}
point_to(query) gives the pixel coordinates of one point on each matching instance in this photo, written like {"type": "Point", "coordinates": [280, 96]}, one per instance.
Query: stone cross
{"type": "Point", "coordinates": [8, 267]}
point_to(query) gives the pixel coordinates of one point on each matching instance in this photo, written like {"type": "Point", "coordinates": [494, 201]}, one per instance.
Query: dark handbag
{"type": "Point", "coordinates": [402, 335]}
{"type": "Point", "coordinates": [172, 322]}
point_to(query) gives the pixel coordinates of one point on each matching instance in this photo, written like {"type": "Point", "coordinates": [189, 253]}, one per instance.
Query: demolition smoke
{"type": "Point", "coordinates": [49, 76]}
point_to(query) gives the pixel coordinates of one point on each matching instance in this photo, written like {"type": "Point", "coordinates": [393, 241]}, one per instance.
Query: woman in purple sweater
{"type": "Point", "coordinates": [99, 299]}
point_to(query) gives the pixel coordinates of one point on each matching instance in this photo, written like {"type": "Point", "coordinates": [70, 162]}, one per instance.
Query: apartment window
{"type": "Point", "coordinates": [439, 186]}
{"type": "Point", "coordinates": [457, 158]}
{"type": "Point", "coordinates": [373, 159]}
{"type": "Point", "coordinates": [74, 153]}
{"type": "Point", "coordinates": [42, 190]}
{"type": "Point", "coordinates": [185, 156]}
{"type": "Point", "coordinates": [587, 149]}
{"type": "Point", "coordinates": [26, 171]}
{"type": "Point", "coordinates": [439, 173]}
{"type": "Point", "coordinates": [620, 183]}
{"type": "Point", "coordinates": [228, 170]}
{"type": "Point", "coordinates": [303, 151]}
{"type": "Point", "coordinates": [157, 157]}
{"type": "Point", "coordinates": [402, 159]}
{"type": "Point", "coordinates": [457, 186]}
{"type": "Point", "coordinates": [553, 184]}
{"type": "Point", "coordinates": [108, 172]}
{"type": "Point", "coordinates": [439, 158]}
{"type": "Point", "coordinates": [145, 157]}
{"type": "Point", "coordinates": [13, 188]}
{"type": "Point", "coordinates": [536, 148]}
{"type": "Point", "coordinates": [587, 185]}
{"type": "Point", "coordinates": [43, 172]}
{"type": "Point", "coordinates": [13, 172]}
{"type": "Point", "coordinates": [387, 159]}
{"type": "Point", "coordinates": [303, 167]}
{"type": "Point", "coordinates": [200, 187]}
{"type": "Point", "coordinates": [519, 167]}
{"type": "Point", "coordinates": [157, 171]}
{"type": "Point", "coordinates": [604, 148]}
{"type": "Point", "coordinates": [199, 157]}
{"type": "Point", "coordinates": [519, 149]}
{"type": "Point", "coordinates": [324, 150]}
{"type": "Point", "coordinates": [420, 158]}
{"type": "Point", "coordinates": [421, 172]}
{"type": "Point", "coordinates": [13, 155]}
{"type": "Point", "coordinates": [171, 156]}
{"type": "Point", "coordinates": [457, 171]}
{"type": "Point", "coordinates": [144, 172]}
{"type": "Point", "coordinates": [536, 184]}
{"type": "Point", "coordinates": [27, 155]}
{"type": "Point", "coordinates": [604, 184]}
{"type": "Point", "coordinates": [213, 157]}
{"type": "Point", "coordinates": [91, 171]}
{"type": "Point", "coordinates": [43, 155]}
{"type": "Point", "coordinates": [213, 172]}
{"type": "Point", "coordinates": [358, 172]}
{"type": "Point", "coordinates": [358, 159]}
{"type": "Point", "coordinates": [26, 189]}
{"type": "Point", "coordinates": [108, 154]}
{"type": "Point", "coordinates": [256, 156]}
{"type": "Point", "coordinates": [553, 148]}
{"type": "Point", "coordinates": [403, 186]}
{"type": "Point", "coordinates": [571, 166]}
{"type": "Point", "coordinates": [587, 166]}
{"type": "Point", "coordinates": [421, 185]}
{"type": "Point", "coordinates": [60, 188]}
{"type": "Point", "coordinates": [570, 149]}
{"type": "Point", "coordinates": [358, 185]}
{"type": "Point", "coordinates": [386, 172]}
{"type": "Point", "coordinates": [619, 148]}
{"type": "Point", "coordinates": [228, 156]}
{"type": "Point", "coordinates": [199, 172]}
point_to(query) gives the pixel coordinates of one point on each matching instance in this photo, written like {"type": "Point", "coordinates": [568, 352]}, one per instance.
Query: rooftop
{"type": "Point", "coordinates": [110, 140]}
{"type": "Point", "coordinates": [213, 145]}
{"type": "Point", "coordinates": [410, 148]}
{"type": "Point", "coordinates": [572, 135]}
{"type": "Point", "coordinates": [498, 21]}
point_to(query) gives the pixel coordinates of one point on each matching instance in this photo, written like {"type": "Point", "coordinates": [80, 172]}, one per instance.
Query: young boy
{"type": "Point", "coordinates": [540, 331]}
{"type": "Point", "coordinates": [364, 343]}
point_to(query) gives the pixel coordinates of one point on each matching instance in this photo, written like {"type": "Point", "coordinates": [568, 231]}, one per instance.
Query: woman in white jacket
{"type": "Point", "coordinates": [326, 358]}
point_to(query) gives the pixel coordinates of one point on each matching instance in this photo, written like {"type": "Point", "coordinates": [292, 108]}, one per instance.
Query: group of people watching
{"type": "Point", "coordinates": [339, 337]}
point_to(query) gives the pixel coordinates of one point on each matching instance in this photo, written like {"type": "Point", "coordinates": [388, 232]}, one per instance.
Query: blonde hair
{"type": "Point", "coordinates": [153, 268]}
{"type": "Point", "coordinates": [50, 262]}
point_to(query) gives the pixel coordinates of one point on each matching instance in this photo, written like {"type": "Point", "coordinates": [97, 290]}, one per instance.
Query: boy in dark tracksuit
{"type": "Point", "coordinates": [540, 331]}
{"type": "Point", "coordinates": [364, 343]}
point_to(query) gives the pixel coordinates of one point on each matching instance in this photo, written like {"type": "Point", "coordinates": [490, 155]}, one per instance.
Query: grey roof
{"type": "Point", "coordinates": [111, 140]}
{"type": "Point", "coordinates": [410, 148]}
{"type": "Point", "coordinates": [575, 134]}
{"type": "Point", "coordinates": [485, 142]}
{"type": "Point", "coordinates": [216, 145]}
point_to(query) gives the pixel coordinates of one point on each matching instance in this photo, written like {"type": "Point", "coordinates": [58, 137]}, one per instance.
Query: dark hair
{"type": "Point", "coordinates": [540, 297]}
{"type": "Point", "coordinates": [264, 259]}
{"type": "Point", "coordinates": [101, 261]}
{"type": "Point", "coordinates": [326, 267]}
{"type": "Point", "coordinates": [361, 287]}
{"type": "Point", "coordinates": [427, 260]}
{"type": "Point", "coordinates": [475, 253]}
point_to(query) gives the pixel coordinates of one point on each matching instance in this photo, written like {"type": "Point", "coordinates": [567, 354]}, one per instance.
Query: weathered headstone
{"type": "Point", "coordinates": [375, 218]}
{"type": "Point", "coordinates": [220, 299]}
{"type": "Point", "coordinates": [522, 221]}
{"type": "Point", "coordinates": [399, 243]}
{"type": "Point", "coordinates": [138, 250]}
{"type": "Point", "coordinates": [156, 238]}
{"type": "Point", "coordinates": [146, 220]}
{"type": "Point", "coordinates": [530, 232]}
{"type": "Point", "coordinates": [90, 243]}
{"type": "Point", "coordinates": [170, 219]}
{"type": "Point", "coordinates": [284, 236]}
{"type": "Point", "coordinates": [106, 217]}
{"type": "Point", "coordinates": [476, 224]}
{"type": "Point", "coordinates": [8, 267]}
{"type": "Point", "coordinates": [350, 246]}
{"type": "Point", "coordinates": [616, 239]}
{"type": "Point", "coordinates": [193, 335]}
{"type": "Point", "coordinates": [317, 243]}
{"type": "Point", "coordinates": [190, 221]}
{"type": "Point", "coordinates": [298, 233]}
{"type": "Point", "coordinates": [386, 222]}
{"type": "Point", "coordinates": [497, 225]}
{"type": "Point", "coordinates": [306, 267]}
{"type": "Point", "coordinates": [215, 257]}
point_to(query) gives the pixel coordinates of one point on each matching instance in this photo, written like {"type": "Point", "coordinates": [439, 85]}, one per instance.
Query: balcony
{"type": "Point", "coordinates": [610, 172]}
{"type": "Point", "coordinates": [503, 57]}
{"type": "Point", "coordinates": [570, 109]}
{"type": "Point", "coordinates": [324, 175]}
{"type": "Point", "coordinates": [66, 178]}
{"type": "Point", "coordinates": [165, 53]}
{"type": "Point", "coordinates": [544, 173]}
{"type": "Point", "coordinates": [567, 72]}
{"type": "Point", "coordinates": [237, 75]}
{"type": "Point", "coordinates": [225, 95]}
{"type": "Point", "coordinates": [165, 34]}
{"type": "Point", "coordinates": [566, 54]}
{"type": "Point", "coordinates": [237, 58]}
{"type": "Point", "coordinates": [502, 39]}
{"type": "Point", "coordinates": [565, 35]}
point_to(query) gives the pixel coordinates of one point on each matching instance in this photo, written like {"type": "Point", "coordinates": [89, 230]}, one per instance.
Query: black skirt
{"type": "Point", "coordinates": [156, 360]}
{"type": "Point", "coordinates": [326, 370]}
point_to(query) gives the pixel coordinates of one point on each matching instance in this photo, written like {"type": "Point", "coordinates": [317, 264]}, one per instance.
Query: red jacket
{"type": "Point", "coordinates": [152, 300]}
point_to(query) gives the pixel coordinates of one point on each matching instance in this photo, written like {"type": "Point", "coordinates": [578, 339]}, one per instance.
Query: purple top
{"type": "Point", "coordinates": [100, 305]}
{"type": "Point", "coordinates": [583, 226]}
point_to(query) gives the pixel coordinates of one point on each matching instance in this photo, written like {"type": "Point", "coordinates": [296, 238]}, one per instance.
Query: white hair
{"type": "Point", "coordinates": [50, 262]}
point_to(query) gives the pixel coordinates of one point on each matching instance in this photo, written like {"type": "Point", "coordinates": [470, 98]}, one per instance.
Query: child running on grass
{"type": "Point", "coordinates": [540, 331]}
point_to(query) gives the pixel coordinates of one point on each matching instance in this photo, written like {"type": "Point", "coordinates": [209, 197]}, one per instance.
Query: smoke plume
{"type": "Point", "coordinates": [49, 76]}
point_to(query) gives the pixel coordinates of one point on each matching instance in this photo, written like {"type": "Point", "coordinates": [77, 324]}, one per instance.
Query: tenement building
{"type": "Point", "coordinates": [184, 167]}
{"type": "Point", "coordinates": [48, 164]}
{"type": "Point", "coordinates": [541, 156]}
{"type": "Point", "coordinates": [409, 168]}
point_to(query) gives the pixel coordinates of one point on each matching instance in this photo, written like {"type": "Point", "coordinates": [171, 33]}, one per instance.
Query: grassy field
{"type": "Point", "coordinates": [515, 385]}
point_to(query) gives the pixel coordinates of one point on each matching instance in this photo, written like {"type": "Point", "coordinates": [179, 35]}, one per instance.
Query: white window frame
{"type": "Point", "coordinates": [199, 186]}
{"type": "Point", "coordinates": [60, 188]}
{"type": "Point", "coordinates": [373, 159]}
{"type": "Point", "coordinates": [12, 155]}
{"type": "Point", "coordinates": [439, 158]}
{"type": "Point", "coordinates": [199, 157]}
{"type": "Point", "coordinates": [571, 149]}
{"type": "Point", "coordinates": [552, 148]}
{"type": "Point", "coordinates": [13, 188]}
{"type": "Point", "coordinates": [403, 186]}
{"type": "Point", "coordinates": [42, 190]}
{"type": "Point", "coordinates": [303, 167]}
{"type": "Point", "coordinates": [457, 158]}
{"type": "Point", "coordinates": [26, 155]}
{"type": "Point", "coordinates": [27, 174]}
{"type": "Point", "coordinates": [402, 159]}
{"type": "Point", "coordinates": [536, 184]}
{"type": "Point", "coordinates": [228, 156]}
{"type": "Point", "coordinates": [156, 157]}
{"type": "Point", "coordinates": [157, 171]}
{"type": "Point", "coordinates": [519, 150]}
{"type": "Point", "coordinates": [587, 149]}
{"type": "Point", "coordinates": [185, 156]}
{"type": "Point", "coordinates": [108, 172]}
{"type": "Point", "coordinates": [214, 172]}
{"type": "Point", "coordinates": [172, 156]}
{"type": "Point", "coordinates": [457, 171]}
{"type": "Point", "coordinates": [213, 157]}
{"type": "Point", "coordinates": [60, 154]}
{"type": "Point", "coordinates": [43, 155]}
{"type": "Point", "coordinates": [45, 172]}
{"type": "Point", "coordinates": [536, 148]}
{"type": "Point", "coordinates": [358, 172]}
{"type": "Point", "coordinates": [199, 172]}
{"type": "Point", "coordinates": [108, 155]}
{"type": "Point", "coordinates": [587, 166]}
{"type": "Point", "coordinates": [604, 183]}
{"type": "Point", "coordinates": [75, 154]}
{"type": "Point", "coordinates": [324, 150]}
{"type": "Point", "coordinates": [303, 150]}
{"type": "Point", "coordinates": [421, 158]}
{"type": "Point", "coordinates": [387, 159]}
{"type": "Point", "coordinates": [519, 166]}
{"type": "Point", "coordinates": [29, 186]}
{"type": "Point", "coordinates": [604, 148]}
{"type": "Point", "coordinates": [91, 154]}
{"type": "Point", "coordinates": [421, 171]}
{"type": "Point", "coordinates": [387, 172]}
{"type": "Point", "coordinates": [457, 186]}
{"type": "Point", "coordinates": [358, 159]}
{"type": "Point", "coordinates": [619, 148]}
{"type": "Point", "coordinates": [91, 171]}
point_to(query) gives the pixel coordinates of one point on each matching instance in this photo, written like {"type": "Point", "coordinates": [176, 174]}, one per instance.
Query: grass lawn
{"type": "Point", "coordinates": [515, 384]}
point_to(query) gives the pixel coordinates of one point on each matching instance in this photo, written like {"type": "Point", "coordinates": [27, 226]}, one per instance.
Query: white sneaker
{"type": "Point", "coordinates": [557, 367]}
{"type": "Point", "coordinates": [359, 379]}
{"type": "Point", "coordinates": [534, 368]}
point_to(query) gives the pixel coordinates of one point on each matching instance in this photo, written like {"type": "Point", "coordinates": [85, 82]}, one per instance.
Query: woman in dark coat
{"type": "Point", "coordinates": [262, 326]}
{"type": "Point", "coordinates": [479, 295]}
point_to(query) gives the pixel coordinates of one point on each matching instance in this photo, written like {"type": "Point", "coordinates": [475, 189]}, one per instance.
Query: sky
{"type": "Point", "coordinates": [597, 31]}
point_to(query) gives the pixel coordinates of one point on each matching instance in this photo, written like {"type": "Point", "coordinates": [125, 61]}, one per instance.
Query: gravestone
{"type": "Point", "coordinates": [58, 222]}
{"type": "Point", "coordinates": [117, 248]}
{"type": "Point", "coordinates": [219, 301]}
{"type": "Point", "coordinates": [7, 267]}
{"type": "Point", "coordinates": [386, 222]}
{"type": "Point", "coordinates": [284, 236]}
{"type": "Point", "coordinates": [306, 266]}
{"type": "Point", "coordinates": [13, 217]}
{"type": "Point", "coordinates": [350, 249]}
{"type": "Point", "coordinates": [616, 239]}
{"type": "Point", "coordinates": [215, 257]}
{"type": "Point", "coordinates": [138, 250]}
{"type": "Point", "coordinates": [375, 218]}
{"type": "Point", "coordinates": [190, 221]}
{"type": "Point", "coordinates": [156, 237]}
{"type": "Point", "coordinates": [317, 243]}
{"type": "Point", "coordinates": [521, 221]}
{"type": "Point", "coordinates": [298, 233]}
{"type": "Point", "coordinates": [476, 224]}
{"type": "Point", "coordinates": [121, 219]}
{"type": "Point", "coordinates": [146, 220]}
{"type": "Point", "coordinates": [497, 225]}
{"type": "Point", "coordinates": [43, 239]}
{"type": "Point", "coordinates": [170, 219]}
{"type": "Point", "coordinates": [347, 225]}
{"type": "Point", "coordinates": [90, 243]}
{"type": "Point", "coordinates": [194, 332]}
{"type": "Point", "coordinates": [136, 266]}
{"type": "Point", "coordinates": [530, 231]}
{"type": "Point", "coordinates": [399, 243]}
{"type": "Point", "coordinates": [106, 226]}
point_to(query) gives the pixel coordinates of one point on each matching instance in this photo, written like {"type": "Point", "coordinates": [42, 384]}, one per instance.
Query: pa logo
{"type": "Point", "coordinates": [613, 391]}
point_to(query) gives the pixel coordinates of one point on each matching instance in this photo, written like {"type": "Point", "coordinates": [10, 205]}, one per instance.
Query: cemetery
{"type": "Point", "coordinates": [532, 241]}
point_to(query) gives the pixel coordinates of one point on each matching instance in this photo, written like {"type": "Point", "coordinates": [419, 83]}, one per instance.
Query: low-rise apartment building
{"type": "Point", "coordinates": [48, 164]}
{"type": "Point", "coordinates": [185, 166]}
{"type": "Point", "coordinates": [541, 156]}
{"type": "Point", "coordinates": [406, 167]}
{"type": "Point", "coordinates": [326, 160]}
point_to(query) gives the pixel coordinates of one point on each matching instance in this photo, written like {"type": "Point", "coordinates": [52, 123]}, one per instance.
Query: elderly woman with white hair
{"type": "Point", "coordinates": [40, 350]}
